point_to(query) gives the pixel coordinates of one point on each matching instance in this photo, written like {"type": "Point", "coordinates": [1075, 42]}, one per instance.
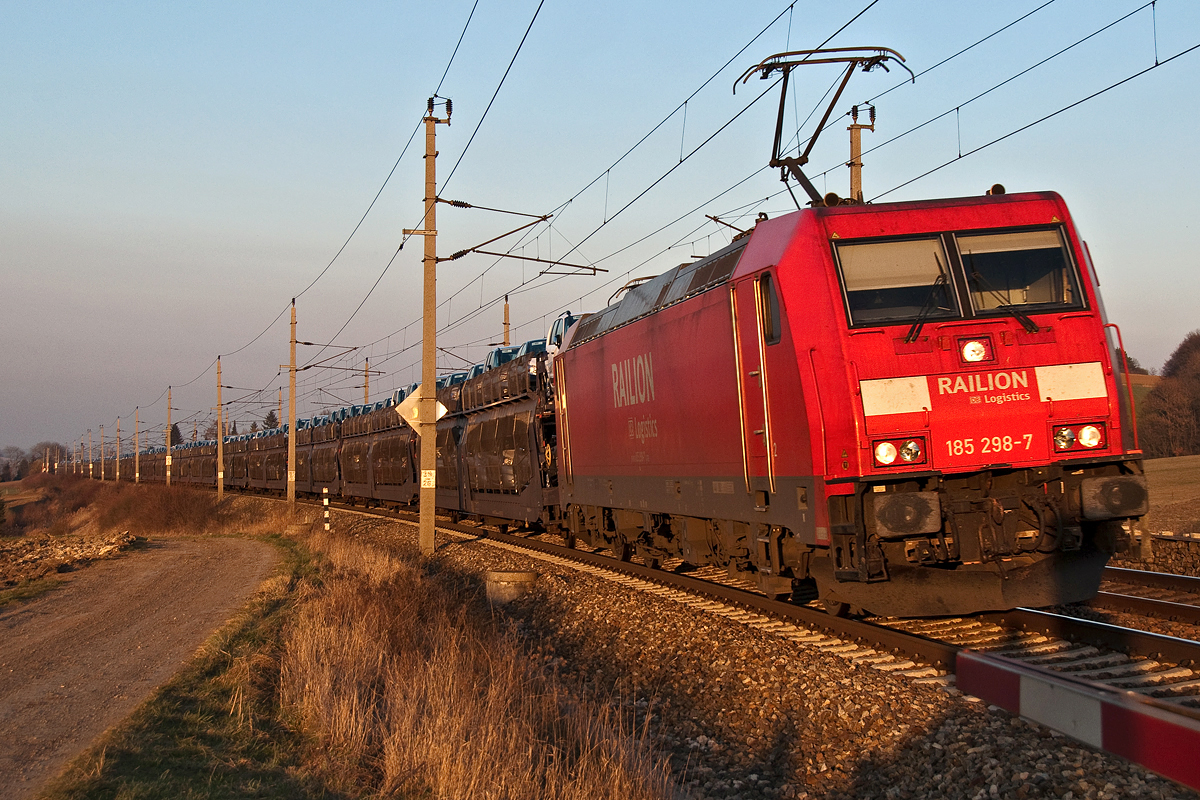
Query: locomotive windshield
{"type": "Point", "coordinates": [1017, 269]}
{"type": "Point", "coordinates": [896, 280]}
{"type": "Point", "coordinates": [915, 280]}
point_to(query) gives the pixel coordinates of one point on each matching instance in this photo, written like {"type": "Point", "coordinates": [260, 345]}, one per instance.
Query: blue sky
{"type": "Point", "coordinates": [174, 173]}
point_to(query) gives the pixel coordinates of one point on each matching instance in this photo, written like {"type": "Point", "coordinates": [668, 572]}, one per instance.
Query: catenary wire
{"type": "Point", "coordinates": [1040, 120]}
{"type": "Point", "coordinates": [575, 247]}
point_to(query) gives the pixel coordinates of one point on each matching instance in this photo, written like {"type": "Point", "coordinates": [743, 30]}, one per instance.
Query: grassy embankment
{"type": "Point", "coordinates": [356, 672]}
{"type": "Point", "coordinates": [1174, 494]}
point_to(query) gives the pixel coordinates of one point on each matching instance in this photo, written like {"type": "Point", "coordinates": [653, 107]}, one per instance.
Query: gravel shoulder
{"type": "Point", "coordinates": [78, 660]}
{"type": "Point", "coordinates": [745, 715]}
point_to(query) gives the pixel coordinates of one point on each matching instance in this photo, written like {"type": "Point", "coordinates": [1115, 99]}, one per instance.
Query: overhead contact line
{"type": "Point", "coordinates": [1038, 121]}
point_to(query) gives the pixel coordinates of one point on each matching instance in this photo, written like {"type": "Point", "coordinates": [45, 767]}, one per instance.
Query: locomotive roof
{"type": "Point", "coordinates": [670, 287]}
{"type": "Point", "coordinates": [691, 279]}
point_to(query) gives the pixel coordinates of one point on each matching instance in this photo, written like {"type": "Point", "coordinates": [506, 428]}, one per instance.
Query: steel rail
{"type": "Point", "coordinates": [1132, 604]}
{"type": "Point", "coordinates": [1183, 652]}
{"type": "Point", "coordinates": [1159, 580]}
{"type": "Point", "coordinates": [931, 651]}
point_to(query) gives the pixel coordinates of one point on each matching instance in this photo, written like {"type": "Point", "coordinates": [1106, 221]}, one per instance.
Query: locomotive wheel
{"type": "Point", "coordinates": [836, 608]}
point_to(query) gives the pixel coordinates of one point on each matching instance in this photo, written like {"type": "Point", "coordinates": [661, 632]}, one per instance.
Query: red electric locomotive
{"type": "Point", "coordinates": [912, 408]}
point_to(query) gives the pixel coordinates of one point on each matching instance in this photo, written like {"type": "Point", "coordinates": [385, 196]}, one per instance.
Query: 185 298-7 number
{"type": "Point", "coordinates": [989, 444]}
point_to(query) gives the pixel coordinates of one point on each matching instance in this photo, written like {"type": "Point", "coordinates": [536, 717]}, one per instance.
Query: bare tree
{"type": "Point", "coordinates": [1172, 409]}
{"type": "Point", "coordinates": [1184, 359]}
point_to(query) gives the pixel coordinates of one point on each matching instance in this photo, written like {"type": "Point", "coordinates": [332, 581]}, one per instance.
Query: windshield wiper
{"type": "Point", "coordinates": [1029, 325]}
{"type": "Point", "coordinates": [928, 307]}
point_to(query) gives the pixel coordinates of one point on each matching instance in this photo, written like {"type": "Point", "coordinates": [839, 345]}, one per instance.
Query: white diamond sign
{"type": "Point", "coordinates": [410, 411]}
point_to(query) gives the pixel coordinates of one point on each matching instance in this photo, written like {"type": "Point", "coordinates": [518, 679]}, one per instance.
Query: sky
{"type": "Point", "coordinates": [172, 174]}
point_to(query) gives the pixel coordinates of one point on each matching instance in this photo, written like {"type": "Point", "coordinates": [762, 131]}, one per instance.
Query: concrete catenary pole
{"type": "Point", "coordinates": [118, 475]}
{"type": "Point", "coordinates": [220, 439]}
{"type": "Point", "coordinates": [137, 445]}
{"type": "Point", "coordinates": [101, 453]}
{"type": "Point", "coordinates": [367, 382]}
{"type": "Point", "coordinates": [506, 342]}
{"type": "Point", "coordinates": [291, 455]}
{"type": "Point", "coordinates": [427, 402]}
{"type": "Point", "coordinates": [168, 464]}
{"type": "Point", "coordinates": [91, 471]}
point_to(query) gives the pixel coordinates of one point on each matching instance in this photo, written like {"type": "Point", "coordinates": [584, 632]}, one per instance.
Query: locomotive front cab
{"type": "Point", "coordinates": [991, 456]}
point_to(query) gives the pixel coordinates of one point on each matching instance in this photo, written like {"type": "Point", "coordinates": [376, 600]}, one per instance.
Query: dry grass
{"type": "Point", "coordinates": [215, 730]}
{"type": "Point", "coordinates": [69, 504]}
{"type": "Point", "coordinates": [358, 674]}
{"type": "Point", "coordinates": [412, 687]}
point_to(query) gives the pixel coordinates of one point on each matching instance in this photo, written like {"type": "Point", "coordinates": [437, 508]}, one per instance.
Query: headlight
{"type": "Point", "coordinates": [911, 450]}
{"type": "Point", "coordinates": [1064, 438]}
{"type": "Point", "coordinates": [974, 350]}
{"type": "Point", "coordinates": [1089, 436]}
{"type": "Point", "coordinates": [885, 452]}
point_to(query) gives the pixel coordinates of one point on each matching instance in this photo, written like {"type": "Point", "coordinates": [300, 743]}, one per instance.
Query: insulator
{"type": "Point", "coordinates": [449, 108]}
{"type": "Point", "coordinates": [460, 204]}
{"type": "Point", "coordinates": [854, 113]}
{"type": "Point", "coordinates": [459, 255]}
{"type": "Point", "coordinates": [431, 106]}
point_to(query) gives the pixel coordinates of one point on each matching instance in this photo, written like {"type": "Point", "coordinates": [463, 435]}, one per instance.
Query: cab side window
{"type": "Point", "coordinates": [768, 304]}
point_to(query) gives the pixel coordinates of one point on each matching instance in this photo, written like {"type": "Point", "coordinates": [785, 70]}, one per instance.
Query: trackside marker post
{"type": "Point", "coordinates": [325, 503]}
{"type": "Point", "coordinates": [1125, 724]}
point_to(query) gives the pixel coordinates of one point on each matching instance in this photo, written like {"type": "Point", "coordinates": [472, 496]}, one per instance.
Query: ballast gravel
{"type": "Point", "coordinates": [742, 713]}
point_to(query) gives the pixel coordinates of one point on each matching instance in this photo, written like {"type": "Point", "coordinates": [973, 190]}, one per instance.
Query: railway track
{"type": "Point", "coordinates": [1162, 670]}
{"type": "Point", "coordinates": [1154, 594]}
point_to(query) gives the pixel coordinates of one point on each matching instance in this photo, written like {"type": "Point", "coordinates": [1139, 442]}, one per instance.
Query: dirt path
{"type": "Point", "coordinates": [77, 661]}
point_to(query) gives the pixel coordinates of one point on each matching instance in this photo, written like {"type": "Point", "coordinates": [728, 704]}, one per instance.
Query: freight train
{"type": "Point", "coordinates": [908, 409]}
